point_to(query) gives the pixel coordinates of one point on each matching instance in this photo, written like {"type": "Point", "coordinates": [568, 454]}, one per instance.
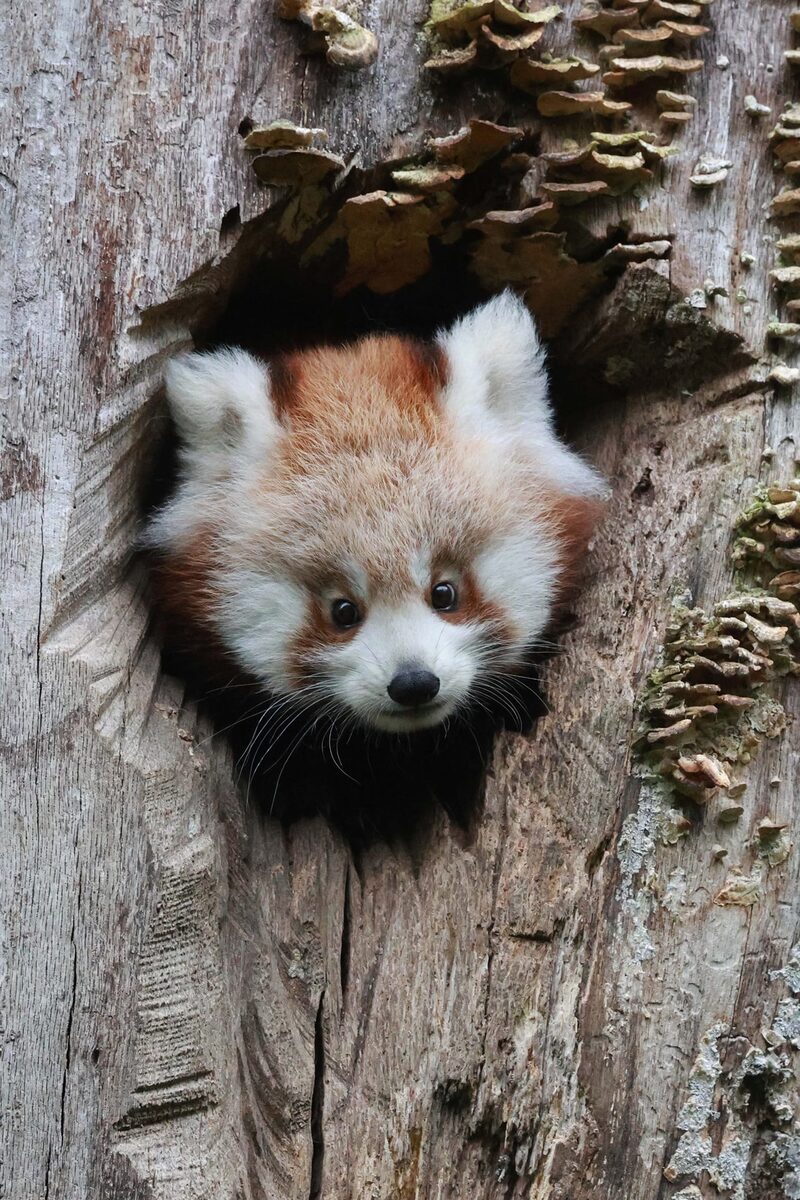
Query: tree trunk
{"type": "Point", "coordinates": [555, 1002]}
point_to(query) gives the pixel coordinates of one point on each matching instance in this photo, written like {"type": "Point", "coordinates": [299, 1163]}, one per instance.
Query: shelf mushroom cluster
{"type": "Point", "coordinates": [707, 708]}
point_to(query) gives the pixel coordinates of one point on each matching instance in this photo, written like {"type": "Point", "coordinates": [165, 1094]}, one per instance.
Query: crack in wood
{"type": "Point", "coordinates": [318, 1106]}
{"type": "Point", "coordinates": [70, 1018]}
{"type": "Point", "coordinates": [344, 950]}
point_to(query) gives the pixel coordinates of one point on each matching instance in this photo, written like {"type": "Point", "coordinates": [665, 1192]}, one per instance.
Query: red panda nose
{"type": "Point", "coordinates": [413, 685]}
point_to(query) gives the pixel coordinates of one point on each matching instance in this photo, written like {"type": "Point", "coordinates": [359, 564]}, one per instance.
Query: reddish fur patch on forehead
{"type": "Point", "coordinates": [382, 378]}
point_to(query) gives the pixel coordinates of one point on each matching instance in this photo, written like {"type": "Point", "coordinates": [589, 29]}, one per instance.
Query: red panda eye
{"type": "Point", "coordinates": [345, 614]}
{"type": "Point", "coordinates": [444, 597]}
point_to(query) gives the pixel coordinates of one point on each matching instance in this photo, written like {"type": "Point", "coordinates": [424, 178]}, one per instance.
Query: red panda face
{"type": "Point", "coordinates": [382, 532]}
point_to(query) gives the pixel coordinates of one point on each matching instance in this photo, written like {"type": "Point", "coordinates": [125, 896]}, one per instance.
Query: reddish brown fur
{"type": "Point", "coordinates": [400, 377]}
{"type": "Point", "coordinates": [187, 599]}
{"type": "Point", "coordinates": [376, 401]}
{"type": "Point", "coordinates": [574, 520]}
{"type": "Point", "coordinates": [473, 607]}
{"type": "Point", "coordinates": [319, 631]}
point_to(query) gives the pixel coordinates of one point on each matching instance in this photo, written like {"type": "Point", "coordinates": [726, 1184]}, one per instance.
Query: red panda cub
{"type": "Point", "coordinates": [378, 533]}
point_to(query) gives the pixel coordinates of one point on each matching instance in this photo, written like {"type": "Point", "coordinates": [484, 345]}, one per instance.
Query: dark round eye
{"type": "Point", "coordinates": [345, 613]}
{"type": "Point", "coordinates": [444, 597]}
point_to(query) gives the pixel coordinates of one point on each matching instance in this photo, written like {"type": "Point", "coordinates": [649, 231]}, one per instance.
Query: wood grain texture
{"type": "Point", "coordinates": [197, 1002]}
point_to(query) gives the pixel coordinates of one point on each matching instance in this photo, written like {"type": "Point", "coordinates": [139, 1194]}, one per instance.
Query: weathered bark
{"type": "Point", "coordinates": [198, 1001]}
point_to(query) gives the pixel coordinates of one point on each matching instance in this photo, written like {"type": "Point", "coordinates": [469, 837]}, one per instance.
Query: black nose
{"type": "Point", "coordinates": [413, 685]}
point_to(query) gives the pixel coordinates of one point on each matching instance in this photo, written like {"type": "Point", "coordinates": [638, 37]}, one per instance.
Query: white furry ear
{"type": "Point", "coordinates": [497, 367]}
{"type": "Point", "coordinates": [220, 401]}
{"type": "Point", "coordinates": [498, 387]}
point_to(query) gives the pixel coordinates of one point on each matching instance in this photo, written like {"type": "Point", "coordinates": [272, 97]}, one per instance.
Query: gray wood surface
{"type": "Point", "coordinates": [199, 1003]}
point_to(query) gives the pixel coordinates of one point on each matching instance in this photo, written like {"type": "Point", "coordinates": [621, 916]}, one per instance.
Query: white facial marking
{"type": "Point", "coordinates": [259, 618]}
{"type": "Point", "coordinates": [519, 571]}
{"type": "Point", "coordinates": [360, 671]}
{"type": "Point", "coordinates": [421, 568]}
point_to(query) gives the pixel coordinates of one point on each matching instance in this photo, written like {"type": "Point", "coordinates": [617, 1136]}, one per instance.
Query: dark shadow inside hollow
{"type": "Point", "coordinates": [281, 306]}
{"type": "Point", "coordinates": [370, 785]}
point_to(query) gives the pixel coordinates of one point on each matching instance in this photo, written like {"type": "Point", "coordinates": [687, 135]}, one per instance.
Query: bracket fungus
{"type": "Point", "coordinates": [529, 73]}
{"type": "Point", "coordinates": [710, 171]}
{"type": "Point", "coordinates": [285, 155]}
{"type": "Point", "coordinates": [768, 541]}
{"type": "Point", "coordinates": [475, 144]}
{"type": "Point", "coordinates": [784, 137]}
{"type": "Point", "coordinates": [387, 235]}
{"type": "Point", "coordinates": [606, 21]}
{"type": "Point", "coordinates": [787, 331]}
{"type": "Point", "coordinates": [784, 376]}
{"type": "Point", "coordinates": [674, 826]}
{"type": "Point", "coordinates": [742, 889]}
{"type": "Point", "coordinates": [344, 41]}
{"type": "Point", "coordinates": [465, 20]}
{"type": "Point", "coordinates": [786, 278]}
{"type": "Point", "coordinates": [772, 842]}
{"type": "Point", "coordinates": [299, 167]}
{"type": "Point", "coordinates": [502, 222]}
{"type": "Point", "coordinates": [675, 108]}
{"type": "Point", "coordinates": [786, 203]}
{"type": "Point", "coordinates": [282, 135]}
{"type": "Point", "coordinates": [729, 812]}
{"type": "Point", "coordinates": [754, 108]}
{"type": "Point", "coordinates": [570, 194]}
{"type": "Point", "coordinates": [608, 165]}
{"type": "Point", "coordinates": [790, 245]}
{"type": "Point", "coordinates": [576, 104]}
{"type": "Point", "coordinates": [489, 34]}
{"type": "Point", "coordinates": [376, 227]}
{"type": "Point", "coordinates": [707, 706]}
{"type": "Point", "coordinates": [784, 140]}
{"type": "Point", "coordinates": [628, 72]}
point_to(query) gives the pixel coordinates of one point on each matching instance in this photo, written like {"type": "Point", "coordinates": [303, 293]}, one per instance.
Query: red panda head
{"type": "Point", "coordinates": [381, 532]}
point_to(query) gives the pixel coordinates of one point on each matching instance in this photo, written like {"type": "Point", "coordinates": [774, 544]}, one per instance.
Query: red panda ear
{"type": "Point", "coordinates": [498, 387]}
{"type": "Point", "coordinates": [222, 408]}
{"type": "Point", "coordinates": [497, 366]}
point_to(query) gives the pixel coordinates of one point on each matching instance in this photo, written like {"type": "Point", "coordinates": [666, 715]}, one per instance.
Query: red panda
{"type": "Point", "coordinates": [381, 532]}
